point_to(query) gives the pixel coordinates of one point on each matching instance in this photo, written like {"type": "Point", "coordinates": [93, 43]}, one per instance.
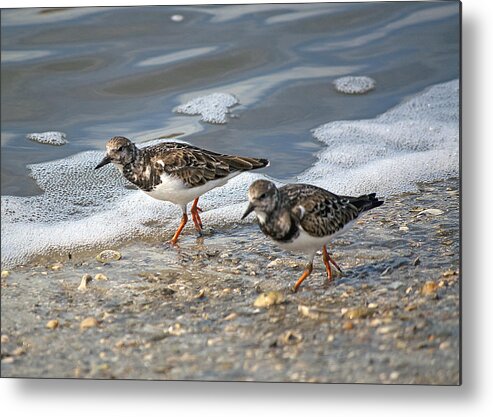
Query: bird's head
{"type": "Point", "coordinates": [119, 150]}
{"type": "Point", "coordinates": [263, 197]}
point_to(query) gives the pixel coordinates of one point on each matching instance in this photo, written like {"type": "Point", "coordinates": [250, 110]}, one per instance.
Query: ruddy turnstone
{"type": "Point", "coordinates": [176, 172]}
{"type": "Point", "coordinates": [302, 217]}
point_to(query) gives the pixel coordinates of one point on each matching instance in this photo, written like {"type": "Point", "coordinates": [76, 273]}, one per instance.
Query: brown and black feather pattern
{"type": "Point", "coordinates": [192, 165]}
{"type": "Point", "coordinates": [319, 212]}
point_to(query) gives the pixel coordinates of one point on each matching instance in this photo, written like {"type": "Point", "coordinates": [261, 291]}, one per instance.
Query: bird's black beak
{"type": "Point", "coordinates": [249, 209]}
{"type": "Point", "coordinates": [106, 160]}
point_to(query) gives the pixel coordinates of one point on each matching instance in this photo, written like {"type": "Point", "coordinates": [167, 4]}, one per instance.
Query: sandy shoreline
{"type": "Point", "coordinates": [188, 313]}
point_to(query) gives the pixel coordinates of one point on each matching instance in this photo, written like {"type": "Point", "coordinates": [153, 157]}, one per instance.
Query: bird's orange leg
{"type": "Point", "coordinates": [195, 215]}
{"type": "Point", "coordinates": [306, 272]}
{"type": "Point", "coordinates": [184, 220]}
{"type": "Point", "coordinates": [327, 261]}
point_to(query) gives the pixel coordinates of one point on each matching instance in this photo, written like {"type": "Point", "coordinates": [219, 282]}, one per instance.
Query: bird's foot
{"type": "Point", "coordinates": [172, 243]}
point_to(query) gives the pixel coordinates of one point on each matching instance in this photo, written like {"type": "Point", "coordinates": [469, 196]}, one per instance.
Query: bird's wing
{"type": "Point", "coordinates": [195, 166]}
{"type": "Point", "coordinates": [320, 212]}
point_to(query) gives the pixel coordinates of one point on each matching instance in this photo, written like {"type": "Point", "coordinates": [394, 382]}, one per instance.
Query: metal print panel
{"type": "Point", "coordinates": [257, 192]}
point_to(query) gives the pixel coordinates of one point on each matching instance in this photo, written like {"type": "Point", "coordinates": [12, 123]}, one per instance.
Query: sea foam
{"type": "Point", "coordinates": [81, 208]}
{"type": "Point", "coordinates": [49, 138]}
{"type": "Point", "coordinates": [354, 84]}
{"type": "Point", "coordinates": [213, 107]}
{"type": "Point", "coordinates": [415, 141]}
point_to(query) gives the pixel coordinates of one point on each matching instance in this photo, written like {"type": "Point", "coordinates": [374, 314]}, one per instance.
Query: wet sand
{"type": "Point", "coordinates": [188, 313]}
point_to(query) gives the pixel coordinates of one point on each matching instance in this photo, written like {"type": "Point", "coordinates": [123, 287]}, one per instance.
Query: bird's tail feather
{"type": "Point", "coordinates": [242, 163]}
{"type": "Point", "coordinates": [366, 202]}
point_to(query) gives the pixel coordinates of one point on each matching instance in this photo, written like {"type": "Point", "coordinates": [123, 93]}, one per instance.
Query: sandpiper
{"type": "Point", "coordinates": [176, 172]}
{"type": "Point", "coordinates": [304, 218]}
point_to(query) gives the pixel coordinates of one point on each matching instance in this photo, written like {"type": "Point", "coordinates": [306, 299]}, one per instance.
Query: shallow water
{"type": "Point", "coordinates": [98, 72]}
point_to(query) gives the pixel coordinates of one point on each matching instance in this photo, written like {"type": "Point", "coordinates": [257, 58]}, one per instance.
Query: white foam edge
{"type": "Point", "coordinates": [416, 141]}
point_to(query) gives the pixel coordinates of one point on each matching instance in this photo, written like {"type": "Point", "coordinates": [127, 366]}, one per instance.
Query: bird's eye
{"type": "Point", "coordinates": [120, 149]}
{"type": "Point", "coordinates": [262, 196]}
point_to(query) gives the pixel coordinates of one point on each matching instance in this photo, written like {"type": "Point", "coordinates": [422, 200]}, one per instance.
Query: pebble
{"type": "Point", "coordinates": [108, 255]}
{"type": "Point", "coordinates": [18, 351]}
{"type": "Point", "coordinates": [429, 288]}
{"type": "Point", "coordinates": [308, 312]}
{"type": "Point", "coordinates": [214, 341]}
{"type": "Point", "coordinates": [274, 263]}
{"type": "Point", "coordinates": [290, 337]}
{"type": "Point", "coordinates": [358, 313]}
{"type": "Point", "coordinates": [5, 338]}
{"type": "Point", "coordinates": [347, 325]}
{"type": "Point", "coordinates": [176, 330]}
{"type": "Point", "coordinates": [268, 299]}
{"type": "Point", "coordinates": [200, 294]}
{"type": "Point", "coordinates": [399, 344]}
{"type": "Point", "coordinates": [231, 316]}
{"type": "Point", "coordinates": [394, 375]}
{"type": "Point", "coordinates": [431, 212]}
{"type": "Point", "coordinates": [56, 266]}
{"type": "Point", "coordinates": [395, 285]}
{"type": "Point", "coordinates": [88, 323]}
{"type": "Point", "coordinates": [384, 330]}
{"type": "Point", "coordinates": [100, 277]}
{"type": "Point", "coordinates": [5, 274]}
{"type": "Point", "coordinates": [387, 271]}
{"type": "Point", "coordinates": [126, 343]}
{"type": "Point", "coordinates": [107, 315]}
{"type": "Point", "coordinates": [83, 282]}
{"type": "Point", "coordinates": [375, 322]}
{"type": "Point", "coordinates": [52, 324]}
{"type": "Point", "coordinates": [444, 345]}
{"type": "Point", "coordinates": [404, 229]}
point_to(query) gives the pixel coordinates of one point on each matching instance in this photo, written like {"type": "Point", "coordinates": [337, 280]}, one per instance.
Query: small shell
{"type": "Point", "coordinates": [56, 266]}
{"type": "Point", "coordinates": [108, 255]}
{"type": "Point", "coordinates": [88, 322]}
{"type": "Point", "coordinates": [359, 313]}
{"type": "Point", "coordinates": [308, 312]}
{"type": "Point", "coordinates": [269, 299]}
{"type": "Point", "coordinates": [83, 282]}
{"type": "Point", "coordinates": [290, 337]}
{"type": "Point", "coordinates": [429, 288]}
{"type": "Point", "coordinates": [431, 212]}
{"type": "Point", "coordinates": [100, 277]}
{"type": "Point", "coordinates": [52, 324]}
